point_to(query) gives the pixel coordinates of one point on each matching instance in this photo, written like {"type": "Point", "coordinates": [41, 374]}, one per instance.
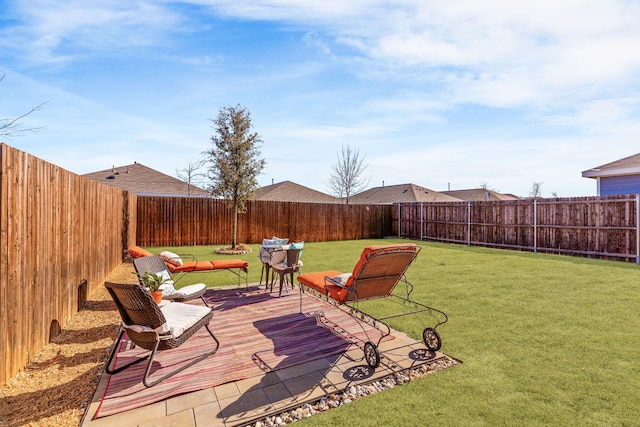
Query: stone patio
{"type": "Point", "coordinates": [253, 399]}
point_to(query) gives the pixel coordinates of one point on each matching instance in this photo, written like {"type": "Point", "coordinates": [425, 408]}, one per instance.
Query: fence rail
{"type": "Point", "coordinates": [607, 227]}
{"type": "Point", "coordinates": [175, 221]}
{"type": "Point", "coordinates": [60, 237]}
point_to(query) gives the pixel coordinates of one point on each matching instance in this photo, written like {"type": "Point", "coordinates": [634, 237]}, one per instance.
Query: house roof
{"type": "Point", "coordinates": [626, 166]}
{"type": "Point", "coordinates": [287, 191]}
{"type": "Point", "coordinates": [144, 181]}
{"type": "Point", "coordinates": [479, 195]}
{"type": "Point", "coordinates": [399, 194]}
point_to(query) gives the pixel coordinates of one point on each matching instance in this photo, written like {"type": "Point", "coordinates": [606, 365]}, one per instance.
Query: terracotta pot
{"type": "Point", "coordinates": [157, 296]}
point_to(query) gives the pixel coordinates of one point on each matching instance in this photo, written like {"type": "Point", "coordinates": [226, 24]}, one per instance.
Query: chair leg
{"type": "Point", "coordinates": [114, 350]}
{"type": "Point", "coordinates": [282, 275]}
{"type": "Point", "coordinates": [151, 355]}
{"type": "Point", "coordinates": [261, 273]}
{"type": "Point", "coordinates": [182, 368]}
{"type": "Point", "coordinates": [269, 283]}
{"type": "Point", "coordinates": [265, 268]}
{"type": "Point", "coordinates": [204, 301]}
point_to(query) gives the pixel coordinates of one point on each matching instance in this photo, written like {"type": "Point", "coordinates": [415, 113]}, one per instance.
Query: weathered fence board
{"type": "Point", "coordinates": [60, 236]}
{"type": "Point", "coordinates": [588, 226]}
{"type": "Point", "coordinates": [173, 221]}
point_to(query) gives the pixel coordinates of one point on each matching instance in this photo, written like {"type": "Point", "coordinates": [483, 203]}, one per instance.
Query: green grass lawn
{"type": "Point", "coordinates": [544, 339]}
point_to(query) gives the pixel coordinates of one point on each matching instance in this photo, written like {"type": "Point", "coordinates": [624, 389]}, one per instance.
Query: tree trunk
{"type": "Point", "coordinates": [234, 229]}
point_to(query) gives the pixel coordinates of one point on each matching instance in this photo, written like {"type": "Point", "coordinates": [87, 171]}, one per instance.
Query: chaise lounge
{"type": "Point", "coordinates": [375, 276]}
{"type": "Point", "coordinates": [188, 263]}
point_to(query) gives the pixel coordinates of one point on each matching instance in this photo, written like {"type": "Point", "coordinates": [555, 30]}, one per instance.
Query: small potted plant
{"type": "Point", "coordinates": [153, 281]}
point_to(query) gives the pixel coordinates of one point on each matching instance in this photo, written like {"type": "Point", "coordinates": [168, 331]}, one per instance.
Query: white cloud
{"type": "Point", "coordinates": [58, 32]}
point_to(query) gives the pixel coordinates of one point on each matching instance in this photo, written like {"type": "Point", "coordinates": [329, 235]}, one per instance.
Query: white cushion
{"type": "Point", "coordinates": [296, 245]}
{"type": "Point", "coordinates": [341, 278]}
{"type": "Point", "coordinates": [171, 258]}
{"type": "Point", "coordinates": [278, 255]}
{"type": "Point", "coordinates": [185, 291]}
{"type": "Point", "coordinates": [265, 255]}
{"type": "Point", "coordinates": [167, 287]}
{"type": "Point", "coordinates": [162, 329]}
{"type": "Point", "coordinates": [181, 317]}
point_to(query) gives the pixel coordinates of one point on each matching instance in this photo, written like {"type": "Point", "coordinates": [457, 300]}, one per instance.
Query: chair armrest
{"type": "Point", "coordinates": [333, 282]}
{"type": "Point", "coordinates": [191, 256]}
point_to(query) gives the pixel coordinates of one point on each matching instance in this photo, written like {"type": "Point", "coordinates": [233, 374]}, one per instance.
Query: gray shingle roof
{"type": "Point", "coordinates": [629, 165]}
{"type": "Point", "coordinates": [142, 180]}
{"type": "Point", "coordinates": [287, 191]}
{"type": "Point", "coordinates": [400, 194]}
{"type": "Point", "coordinates": [479, 195]}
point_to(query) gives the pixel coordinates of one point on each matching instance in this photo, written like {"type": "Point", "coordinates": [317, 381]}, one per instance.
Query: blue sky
{"type": "Point", "coordinates": [439, 94]}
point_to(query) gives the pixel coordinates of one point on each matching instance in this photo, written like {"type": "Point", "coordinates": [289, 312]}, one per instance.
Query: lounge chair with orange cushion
{"type": "Point", "coordinates": [188, 263]}
{"type": "Point", "coordinates": [375, 276]}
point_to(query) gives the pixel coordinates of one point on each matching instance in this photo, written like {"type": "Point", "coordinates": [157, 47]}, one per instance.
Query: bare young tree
{"type": "Point", "coordinates": [485, 186]}
{"type": "Point", "coordinates": [235, 160]}
{"type": "Point", "coordinates": [192, 173]}
{"type": "Point", "coordinates": [346, 174]}
{"type": "Point", "coordinates": [12, 127]}
{"type": "Point", "coordinates": [536, 190]}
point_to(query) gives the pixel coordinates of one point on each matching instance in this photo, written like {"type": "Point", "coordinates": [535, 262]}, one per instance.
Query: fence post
{"type": "Point", "coordinates": [399, 216]}
{"type": "Point", "coordinates": [637, 228]}
{"type": "Point", "coordinates": [535, 226]}
{"type": "Point", "coordinates": [421, 220]}
{"type": "Point", "coordinates": [469, 224]}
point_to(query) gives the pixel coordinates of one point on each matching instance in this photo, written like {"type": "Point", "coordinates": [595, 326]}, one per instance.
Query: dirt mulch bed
{"type": "Point", "coordinates": [57, 386]}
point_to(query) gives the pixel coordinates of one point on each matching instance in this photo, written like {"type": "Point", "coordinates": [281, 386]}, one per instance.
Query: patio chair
{"type": "Point", "coordinates": [375, 276]}
{"type": "Point", "coordinates": [156, 328]}
{"type": "Point", "coordinates": [155, 264]}
{"type": "Point", "coordinates": [266, 249]}
{"type": "Point", "coordinates": [290, 264]}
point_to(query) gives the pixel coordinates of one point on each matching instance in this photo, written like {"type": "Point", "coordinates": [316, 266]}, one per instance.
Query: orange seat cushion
{"type": "Point", "coordinates": [190, 266]}
{"type": "Point", "coordinates": [316, 281]}
{"type": "Point", "coordinates": [220, 264]}
{"type": "Point", "coordinates": [138, 252]}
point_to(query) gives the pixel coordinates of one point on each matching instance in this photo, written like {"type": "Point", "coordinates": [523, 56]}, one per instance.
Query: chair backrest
{"type": "Point", "coordinates": [150, 264]}
{"type": "Point", "coordinates": [136, 305]}
{"type": "Point", "coordinates": [293, 256]}
{"type": "Point", "coordinates": [379, 270]}
{"type": "Point", "coordinates": [265, 254]}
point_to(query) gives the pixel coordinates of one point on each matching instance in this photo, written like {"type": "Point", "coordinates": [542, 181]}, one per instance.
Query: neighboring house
{"type": "Point", "coordinates": [479, 195]}
{"type": "Point", "coordinates": [402, 193]}
{"type": "Point", "coordinates": [144, 181]}
{"type": "Point", "coordinates": [618, 177]}
{"type": "Point", "coordinates": [288, 191]}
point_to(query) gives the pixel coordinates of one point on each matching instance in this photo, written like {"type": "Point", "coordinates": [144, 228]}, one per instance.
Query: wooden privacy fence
{"type": "Point", "coordinates": [60, 236]}
{"type": "Point", "coordinates": [174, 221]}
{"type": "Point", "coordinates": [606, 227]}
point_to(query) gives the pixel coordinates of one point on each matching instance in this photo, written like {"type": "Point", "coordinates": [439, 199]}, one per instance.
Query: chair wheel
{"type": "Point", "coordinates": [371, 355]}
{"type": "Point", "coordinates": [431, 339]}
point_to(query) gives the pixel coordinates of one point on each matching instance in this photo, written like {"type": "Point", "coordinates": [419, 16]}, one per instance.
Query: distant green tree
{"type": "Point", "coordinates": [235, 160]}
